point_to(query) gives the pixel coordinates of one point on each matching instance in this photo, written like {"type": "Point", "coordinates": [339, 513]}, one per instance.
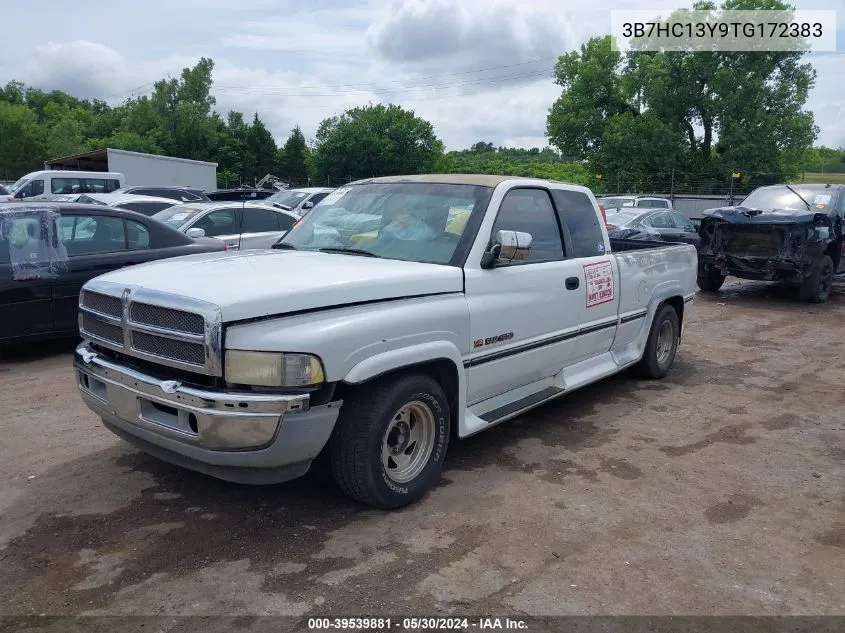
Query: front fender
{"type": "Point", "coordinates": [407, 357]}
{"type": "Point", "coordinates": [388, 361]}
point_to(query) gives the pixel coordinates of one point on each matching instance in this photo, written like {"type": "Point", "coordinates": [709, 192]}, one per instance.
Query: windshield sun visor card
{"type": "Point", "coordinates": [334, 196]}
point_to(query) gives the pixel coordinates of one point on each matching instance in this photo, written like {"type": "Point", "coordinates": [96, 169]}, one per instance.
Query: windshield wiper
{"type": "Point", "coordinates": [282, 206]}
{"type": "Point", "coordinates": [354, 251]}
{"type": "Point", "coordinates": [284, 246]}
{"type": "Point", "coordinates": [807, 204]}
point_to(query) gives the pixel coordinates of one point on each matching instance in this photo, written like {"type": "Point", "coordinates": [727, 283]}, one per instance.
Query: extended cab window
{"type": "Point", "coordinates": [531, 211]}
{"type": "Point", "coordinates": [581, 223]}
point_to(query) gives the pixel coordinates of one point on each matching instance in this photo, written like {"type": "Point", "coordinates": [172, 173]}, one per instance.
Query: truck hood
{"type": "Point", "coordinates": [254, 284]}
{"type": "Point", "coordinates": [746, 215]}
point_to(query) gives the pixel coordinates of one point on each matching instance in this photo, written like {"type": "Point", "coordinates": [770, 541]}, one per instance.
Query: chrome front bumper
{"type": "Point", "coordinates": [209, 431]}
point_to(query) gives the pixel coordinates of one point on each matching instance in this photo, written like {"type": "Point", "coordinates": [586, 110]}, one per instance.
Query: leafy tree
{"type": "Point", "coordinates": [260, 153]}
{"type": "Point", "coordinates": [705, 113]}
{"type": "Point", "coordinates": [375, 140]}
{"type": "Point", "coordinates": [130, 141]}
{"type": "Point", "coordinates": [66, 137]}
{"type": "Point", "coordinates": [592, 95]}
{"type": "Point", "coordinates": [292, 158]}
{"type": "Point", "coordinates": [184, 106]}
{"type": "Point", "coordinates": [22, 146]}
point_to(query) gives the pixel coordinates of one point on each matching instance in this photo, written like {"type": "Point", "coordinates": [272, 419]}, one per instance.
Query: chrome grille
{"type": "Point", "coordinates": [159, 327]}
{"type": "Point", "coordinates": [102, 330]}
{"type": "Point", "coordinates": [103, 303]}
{"type": "Point", "coordinates": [167, 318]}
{"type": "Point", "coordinates": [182, 351]}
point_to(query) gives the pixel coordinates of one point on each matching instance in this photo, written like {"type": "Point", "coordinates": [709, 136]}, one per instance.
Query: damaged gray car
{"type": "Point", "coordinates": [787, 233]}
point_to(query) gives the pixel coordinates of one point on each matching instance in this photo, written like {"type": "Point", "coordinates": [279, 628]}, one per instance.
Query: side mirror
{"type": "Point", "coordinates": [20, 195]}
{"type": "Point", "coordinates": [307, 205]}
{"type": "Point", "coordinates": [507, 246]}
{"type": "Point", "coordinates": [195, 232]}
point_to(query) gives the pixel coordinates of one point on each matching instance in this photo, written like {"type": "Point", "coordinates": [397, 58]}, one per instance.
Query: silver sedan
{"type": "Point", "coordinates": [241, 225]}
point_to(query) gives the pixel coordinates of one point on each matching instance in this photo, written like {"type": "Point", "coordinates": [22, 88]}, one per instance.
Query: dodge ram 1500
{"type": "Point", "coordinates": [401, 313]}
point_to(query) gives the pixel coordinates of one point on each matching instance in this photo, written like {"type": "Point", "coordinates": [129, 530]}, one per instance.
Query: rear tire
{"type": "Point", "coordinates": [388, 448]}
{"type": "Point", "coordinates": [661, 346]}
{"type": "Point", "coordinates": [816, 287]}
{"type": "Point", "coordinates": [710, 279]}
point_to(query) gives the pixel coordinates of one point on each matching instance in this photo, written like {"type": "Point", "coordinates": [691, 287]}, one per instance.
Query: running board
{"type": "Point", "coordinates": [513, 409]}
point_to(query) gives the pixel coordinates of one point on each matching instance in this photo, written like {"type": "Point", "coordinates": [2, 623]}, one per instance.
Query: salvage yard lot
{"type": "Point", "coordinates": [718, 490]}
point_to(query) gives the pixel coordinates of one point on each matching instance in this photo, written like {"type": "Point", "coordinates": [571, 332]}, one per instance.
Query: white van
{"type": "Point", "coordinates": [45, 185]}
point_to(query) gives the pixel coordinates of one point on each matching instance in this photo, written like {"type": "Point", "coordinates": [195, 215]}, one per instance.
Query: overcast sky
{"type": "Point", "coordinates": [477, 69]}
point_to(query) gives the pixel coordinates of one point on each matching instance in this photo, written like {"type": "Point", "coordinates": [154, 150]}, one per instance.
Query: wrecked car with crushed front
{"type": "Point", "coordinates": [787, 233]}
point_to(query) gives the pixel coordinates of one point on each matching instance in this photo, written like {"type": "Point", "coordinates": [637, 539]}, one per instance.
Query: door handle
{"type": "Point", "coordinates": [572, 283]}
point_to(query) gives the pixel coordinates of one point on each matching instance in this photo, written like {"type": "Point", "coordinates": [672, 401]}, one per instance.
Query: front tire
{"type": "Point", "coordinates": [661, 346]}
{"type": "Point", "coordinates": [388, 448]}
{"type": "Point", "coordinates": [816, 288]}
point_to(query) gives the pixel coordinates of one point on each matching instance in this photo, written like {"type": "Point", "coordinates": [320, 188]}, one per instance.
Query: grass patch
{"type": "Point", "coordinates": [823, 178]}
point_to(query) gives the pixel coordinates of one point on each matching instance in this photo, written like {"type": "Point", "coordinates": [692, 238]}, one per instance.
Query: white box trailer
{"type": "Point", "coordinates": [143, 169]}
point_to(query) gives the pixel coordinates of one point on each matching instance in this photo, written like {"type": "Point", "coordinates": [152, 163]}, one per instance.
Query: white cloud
{"type": "Point", "coordinates": [477, 69]}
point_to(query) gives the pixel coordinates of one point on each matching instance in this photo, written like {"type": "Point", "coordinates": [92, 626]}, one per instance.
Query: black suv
{"type": "Point", "coordinates": [789, 233]}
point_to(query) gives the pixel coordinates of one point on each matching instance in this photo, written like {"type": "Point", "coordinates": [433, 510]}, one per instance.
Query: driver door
{"type": "Point", "coordinates": [524, 316]}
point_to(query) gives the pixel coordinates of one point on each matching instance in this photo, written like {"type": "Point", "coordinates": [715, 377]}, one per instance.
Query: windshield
{"type": "Point", "coordinates": [420, 222]}
{"type": "Point", "coordinates": [177, 216]}
{"type": "Point", "coordinates": [820, 200]}
{"type": "Point", "coordinates": [18, 185]}
{"type": "Point", "coordinates": [287, 199]}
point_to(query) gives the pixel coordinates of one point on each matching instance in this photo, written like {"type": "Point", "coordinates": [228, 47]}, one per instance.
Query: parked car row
{"type": "Point", "coordinates": [49, 248]}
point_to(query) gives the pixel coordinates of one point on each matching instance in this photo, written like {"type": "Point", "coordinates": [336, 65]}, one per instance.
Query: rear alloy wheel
{"type": "Point", "coordinates": [661, 346]}
{"type": "Point", "coordinates": [710, 279]}
{"type": "Point", "coordinates": [388, 448]}
{"type": "Point", "coordinates": [816, 287]}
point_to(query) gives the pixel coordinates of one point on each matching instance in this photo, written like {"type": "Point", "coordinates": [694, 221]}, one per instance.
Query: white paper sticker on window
{"type": "Point", "coordinates": [822, 199]}
{"type": "Point", "coordinates": [334, 196]}
{"type": "Point", "coordinates": [180, 216]}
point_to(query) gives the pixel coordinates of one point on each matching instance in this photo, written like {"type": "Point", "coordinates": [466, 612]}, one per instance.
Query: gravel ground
{"type": "Point", "coordinates": [717, 490]}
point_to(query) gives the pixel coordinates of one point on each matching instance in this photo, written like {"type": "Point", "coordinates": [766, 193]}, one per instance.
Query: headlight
{"type": "Point", "coordinates": [273, 369]}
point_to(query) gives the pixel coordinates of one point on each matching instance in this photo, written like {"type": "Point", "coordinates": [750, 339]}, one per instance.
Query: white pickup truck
{"type": "Point", "coordinates": [400, 313]}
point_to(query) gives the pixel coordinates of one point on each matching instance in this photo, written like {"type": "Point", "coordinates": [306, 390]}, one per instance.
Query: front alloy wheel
{"type": "Point", "coordinates": [390, 441]}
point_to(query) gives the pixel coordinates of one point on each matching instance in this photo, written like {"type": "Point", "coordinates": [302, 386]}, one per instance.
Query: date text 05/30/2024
{"type": "Point", "coordinates": [416, 624]}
